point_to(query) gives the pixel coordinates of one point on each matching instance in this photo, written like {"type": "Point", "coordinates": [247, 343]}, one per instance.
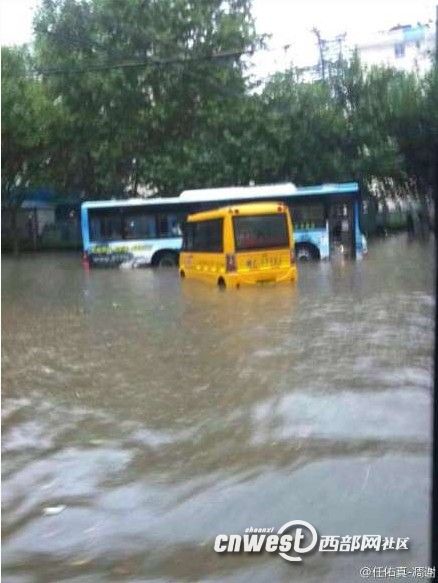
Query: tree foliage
{"type": "Point", "coordinates": [120, 96]}
{"type": "Point", "coordinates": [28, 118]}
{"type": "Point", "coordinates": [144, 124]}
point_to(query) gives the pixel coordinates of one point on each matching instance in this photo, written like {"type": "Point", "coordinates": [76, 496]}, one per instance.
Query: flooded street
{"type": "Point", "coordinates": [142, 416]}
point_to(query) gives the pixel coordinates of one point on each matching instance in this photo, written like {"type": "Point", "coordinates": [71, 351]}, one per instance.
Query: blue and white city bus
{"type": "Point", "coordinates": [137, 232]}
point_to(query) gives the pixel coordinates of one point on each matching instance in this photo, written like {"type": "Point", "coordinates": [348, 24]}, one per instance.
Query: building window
{"type": "Point", "coordinates": [399, 50]}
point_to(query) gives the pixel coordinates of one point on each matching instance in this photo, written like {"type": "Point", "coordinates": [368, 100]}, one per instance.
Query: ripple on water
{"type": "Point", "coordinates": [157, 415]}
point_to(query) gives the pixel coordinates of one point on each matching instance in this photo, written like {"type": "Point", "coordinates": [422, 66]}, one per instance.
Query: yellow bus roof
{"type": "Point", "coordinates": [255, 208]}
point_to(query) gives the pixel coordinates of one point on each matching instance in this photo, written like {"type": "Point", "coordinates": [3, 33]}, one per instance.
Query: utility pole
{"type": "Point", "coordinates": [340, 40]}
{"type": "Point", "coordinates": [321, 46]}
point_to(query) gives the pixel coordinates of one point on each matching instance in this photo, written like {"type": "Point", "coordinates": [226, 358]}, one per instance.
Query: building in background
{"type": "Point", "coordinates": [404, 47]}
{"type": "Point", "coordinates": [407, 48]}
{"type": "Point", "coordinates": [45, 220]}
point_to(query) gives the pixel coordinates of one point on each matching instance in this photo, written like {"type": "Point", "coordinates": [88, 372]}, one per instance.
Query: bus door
{"type": "Point", "coordinates": [341, 228]}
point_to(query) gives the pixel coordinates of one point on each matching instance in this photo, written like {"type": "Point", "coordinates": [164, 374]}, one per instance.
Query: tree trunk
{"type": "Point", "coordinates": [14, 229]}
{"type": "Point", "coordinates": [35, 230]}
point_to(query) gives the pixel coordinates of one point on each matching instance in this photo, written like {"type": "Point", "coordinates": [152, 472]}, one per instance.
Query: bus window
{"type": "Point", "coordinates": [306, 216]}
{"type": "Point", "coordinates": [175, 222]}
{"type": "Point", "coordinates": [187, 242]}
{"type": "Point", "coordinates": [204, 236]}
{"type": "Point", "coordinates": [139, 225]}
{"type": "Point", "coordinates": [260, 231]}
{"type": "Point", "coordinates": [105, 225]}
{"type": "Point", "coordinates": [169, 225]}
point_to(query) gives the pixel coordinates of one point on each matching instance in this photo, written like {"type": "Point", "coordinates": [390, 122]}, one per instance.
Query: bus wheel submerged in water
{"type": "Point", "coordinates": [165, 259]}
{"type": "Point", "coordinates": [306, 252]}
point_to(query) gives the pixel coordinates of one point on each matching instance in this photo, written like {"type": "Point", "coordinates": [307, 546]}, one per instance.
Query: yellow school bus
{"type": "Point", "coordinates": [239, 244]}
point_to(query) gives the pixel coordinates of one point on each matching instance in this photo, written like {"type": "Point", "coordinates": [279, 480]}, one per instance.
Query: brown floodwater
{"type": "Point", "coordinates": [142, 416]}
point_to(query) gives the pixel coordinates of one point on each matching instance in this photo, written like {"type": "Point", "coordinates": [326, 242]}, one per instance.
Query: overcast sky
{"type": "Point", "coordinates": [288, 21]}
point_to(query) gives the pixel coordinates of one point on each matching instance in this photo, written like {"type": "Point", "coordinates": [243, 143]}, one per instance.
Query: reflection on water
{"type": "Point", "coordinates": [143, 415]}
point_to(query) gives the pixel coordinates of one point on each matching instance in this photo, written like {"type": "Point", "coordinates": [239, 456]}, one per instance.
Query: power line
{"type": "Point", "coordinates": [150, 62]}
{"type": "Point", "coordinates": [154, 62]}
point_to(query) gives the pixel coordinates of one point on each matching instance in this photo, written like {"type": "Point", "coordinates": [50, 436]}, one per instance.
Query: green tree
{"type": "Point", "coordinates": [359, 123]}
{"type": "Point", "coordinates": [28, 118]}
{"type": "Point", "coordinates": [304, 131]}
{"type": "Point", "coordinates": [413, 121]}
{"type": "Point", "coordinates": [362, 95]}
{"type": "Point", "coordinates": [133, 94]}
{"type": "Point", "coordinates": [142, 88]}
